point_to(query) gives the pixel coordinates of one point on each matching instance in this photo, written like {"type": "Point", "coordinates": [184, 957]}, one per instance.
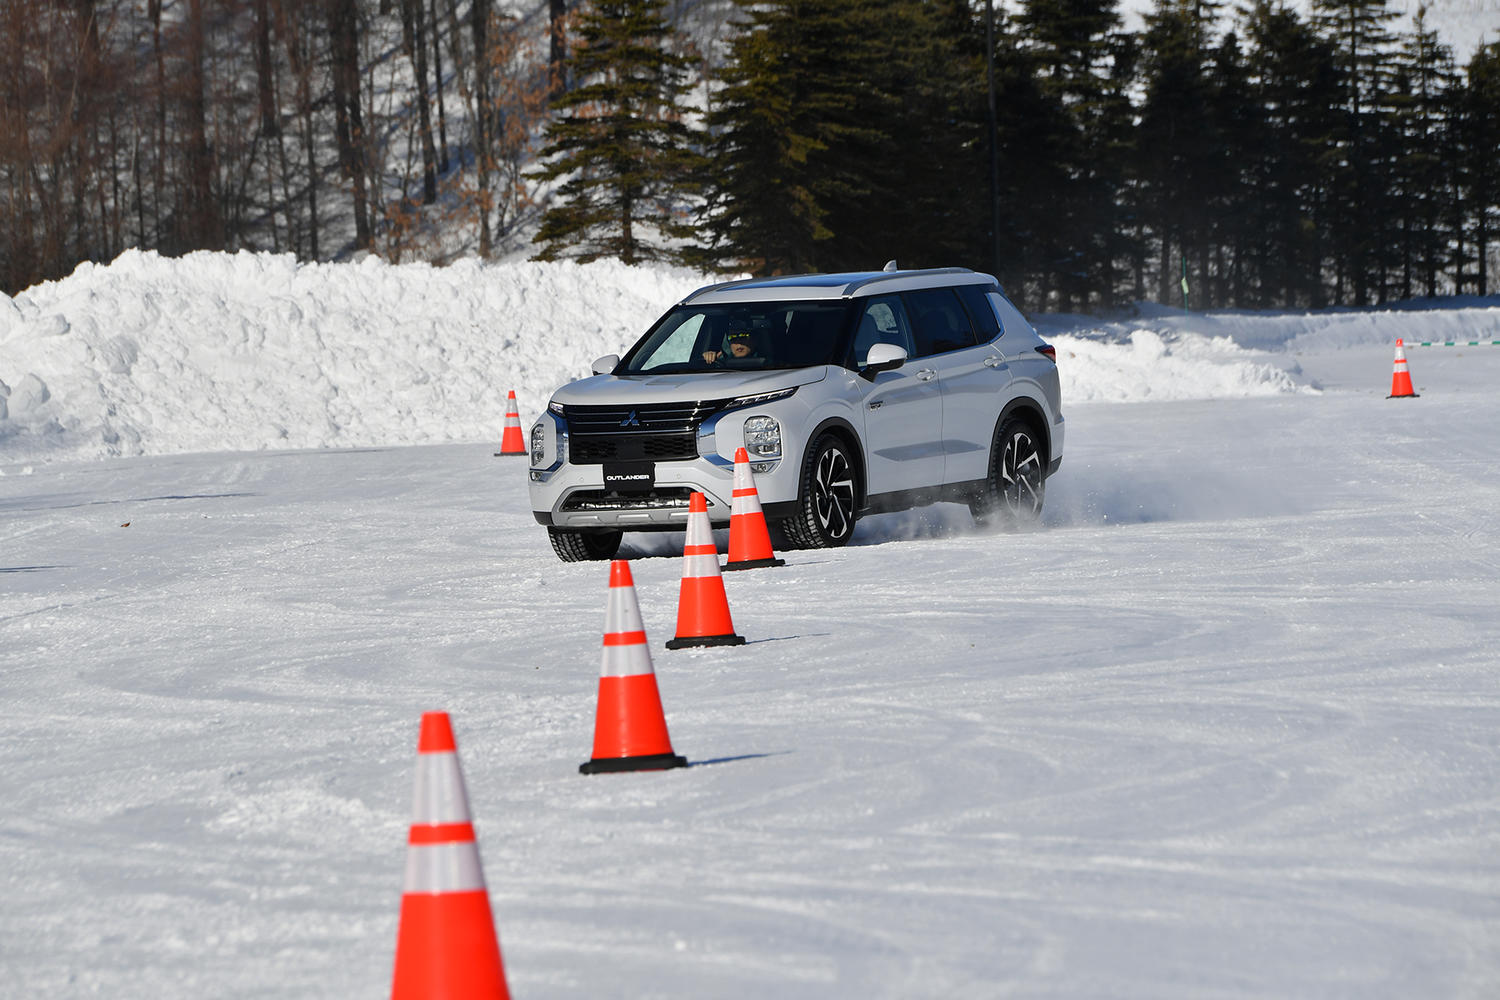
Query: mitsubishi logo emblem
{"type": "Point", "coordinates": [631, 421]}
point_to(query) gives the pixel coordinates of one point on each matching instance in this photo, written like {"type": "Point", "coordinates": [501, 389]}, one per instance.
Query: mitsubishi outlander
{"type": "Point", "coordinates": [852, 393]}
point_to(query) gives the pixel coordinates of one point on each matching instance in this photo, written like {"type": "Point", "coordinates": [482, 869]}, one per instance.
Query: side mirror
{"type": "Point", "coordinates": [882, 358]}
{"type": "Point", "coordinates": [605, 365]}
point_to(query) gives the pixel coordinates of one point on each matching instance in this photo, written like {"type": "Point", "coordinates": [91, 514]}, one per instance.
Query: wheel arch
{"type": "Point", "coordinates": [845, 432]}
{"type": "Point", "coordinates": [1031, 411]}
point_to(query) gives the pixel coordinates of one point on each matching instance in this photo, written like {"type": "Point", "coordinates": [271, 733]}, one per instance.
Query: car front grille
{"type": "Point", "coordinates": [596, 449]}
{"type": "Point", "coordinates": [658, 432]}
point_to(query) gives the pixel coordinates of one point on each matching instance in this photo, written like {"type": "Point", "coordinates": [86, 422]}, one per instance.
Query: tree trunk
{"type": "Point", "coordinates": [295, 30]}
{"type": "Point", "coordinates": [483, 155]}
{"type": "Point", "coordinates": [201, 222]}
{"type": "Point", "coordinates": [413, 29]}
{"type": "Point", "coordinates": [437, 75]}
{"type": "Point", "coordinates": [557, 12]}
{"type": "Point", "coordinates": [270, 122]}
{"type": "Point", "coordinates": [343, 24]}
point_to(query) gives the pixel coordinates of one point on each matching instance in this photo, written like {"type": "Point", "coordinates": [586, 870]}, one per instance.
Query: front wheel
{"type": "Point", "coordinates": [827, 498]}
{"type": "Point", "coordinates": [574, 545]}
{"type": "Point", "coordinates": [1017, 478]}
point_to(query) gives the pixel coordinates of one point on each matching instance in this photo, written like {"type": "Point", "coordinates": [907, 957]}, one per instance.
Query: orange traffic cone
{"type": "Point", "coordinates": [630, 731]}
{"type": "Point", "coordinates": [446, 945]}
{"type": "Point", "coordinates": [1401, 375]}
{"type": "Point", "coordinates": [702, 606]}
{"type": "Point", "coordinates": [512, 442]}
{"type": "Point", "coordinates": [749, 538]}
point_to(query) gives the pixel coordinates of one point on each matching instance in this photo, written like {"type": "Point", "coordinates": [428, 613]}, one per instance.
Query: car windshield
{"type": "Point", "coordinates": [741, 336]}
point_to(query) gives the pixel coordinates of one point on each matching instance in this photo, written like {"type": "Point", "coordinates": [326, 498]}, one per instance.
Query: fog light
{"type": "Point", "coordinates": [763, 438]}
{"type": "Point", "coordinates": [538, 444]}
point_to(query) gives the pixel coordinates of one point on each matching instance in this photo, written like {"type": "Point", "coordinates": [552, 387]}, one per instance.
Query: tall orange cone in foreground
{"type": "Point", "coordinates": [1401, 375]}
{"type": "Point", "coordinates": [630, 731]}
{"type": "Point", "coordinates": [512, 442]}
{"type": "Point", "coordinates": [446, 947]}
{"type": "Point", "coordinates": [702, 606]}
{"type": "Point", "coordinates": [749, 538]}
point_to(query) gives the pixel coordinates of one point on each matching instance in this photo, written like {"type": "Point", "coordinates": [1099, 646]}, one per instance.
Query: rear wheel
{"type": "Point", "coordinates": [575, 545]}
{"type": "Point", "coordinates": [827, 498]}
{"type": "Point", "coordinates": [1017, 478]}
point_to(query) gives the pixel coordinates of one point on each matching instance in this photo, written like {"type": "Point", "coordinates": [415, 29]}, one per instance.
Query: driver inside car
{"type": "Point", "coordinates": [742, 350]}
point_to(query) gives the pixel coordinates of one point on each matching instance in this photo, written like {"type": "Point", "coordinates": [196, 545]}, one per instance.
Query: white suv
{"type": "Point", "coordinates": [852, 393]}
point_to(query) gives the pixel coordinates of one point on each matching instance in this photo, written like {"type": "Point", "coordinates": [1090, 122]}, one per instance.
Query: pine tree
{"type": "Point", "coordinates": [1033, 130]}
{"type": "Point", "coordinates": [775, 112]}
{"type": "Point", "coordinates": [1424, 181]}
{"type": "Point", "coordinates": [1480, 131]}
{"type": "Point", "coordinates": [1359, 146]}
{"type": "Point", "coordinates": [1070, 45]}
{"type": "Point", "coordinates": [1234, 116]}
{"type": "Point", "coordinates": [1178, 139]}
{"type": "Point", "coordinates": [621, 145]}
{"type": "Point", "coordinates": [1293, 83]}
{"type": "Point", "coordinates": [840, 136]}
{"type": "Point", "coordinates": [912, 81]}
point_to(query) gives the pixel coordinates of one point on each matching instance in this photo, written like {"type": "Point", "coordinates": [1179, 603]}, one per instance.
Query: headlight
{"type": "Point", "coordinates": [538, 444]}
{"type": "Point", "coordinates": [764, 397]}
{"type": "Point", "coordinates": [555, 407]}
{"type": "Point", "coordinates": [762, 442]}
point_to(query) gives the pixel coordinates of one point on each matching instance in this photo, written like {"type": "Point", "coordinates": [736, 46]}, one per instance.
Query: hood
{"type": "Point", "coordinates": [610, 390]}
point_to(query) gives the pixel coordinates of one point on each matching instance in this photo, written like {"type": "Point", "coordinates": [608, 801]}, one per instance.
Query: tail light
{"type": "Point", "coordinates": [1049, 352]}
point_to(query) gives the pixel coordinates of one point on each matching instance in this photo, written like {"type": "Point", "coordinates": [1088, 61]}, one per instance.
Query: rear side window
{"type": "Point", "coordinates": [981, 311]}
{"type": "Point", "coordinates": [939, 321]}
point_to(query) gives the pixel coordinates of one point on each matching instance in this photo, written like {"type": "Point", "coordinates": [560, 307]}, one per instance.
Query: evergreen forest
{"type": "Point", "coordinates": [1262, 155]}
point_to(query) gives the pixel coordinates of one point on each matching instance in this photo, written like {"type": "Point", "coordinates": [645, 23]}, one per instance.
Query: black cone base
{"type": "Point", "coordinates": [684, 642]}
{"type": "Point", "coordinates": [1406, 395]}
{"type": "Point", "coordinates": [511, 454]}
{"type": "Point", "coordinates": [754, 563]}
{"type": "Point", "coordinates": [650, 762]}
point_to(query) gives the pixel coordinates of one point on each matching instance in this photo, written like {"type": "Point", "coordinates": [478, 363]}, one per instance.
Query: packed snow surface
{"type": "Point", "coordinates": [1226, 725]}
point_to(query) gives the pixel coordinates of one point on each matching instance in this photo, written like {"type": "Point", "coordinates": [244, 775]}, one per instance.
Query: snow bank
{"type": "Point", "coordinates": [1169, 354]}
{"type": "Point", "coordinates": [240, 352]}
{"type": "Point", "coordinates": [218, 352]}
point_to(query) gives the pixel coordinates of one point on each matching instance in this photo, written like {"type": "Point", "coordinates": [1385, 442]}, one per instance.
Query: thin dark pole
{"type": "Point", "coordinates": [989, 72]}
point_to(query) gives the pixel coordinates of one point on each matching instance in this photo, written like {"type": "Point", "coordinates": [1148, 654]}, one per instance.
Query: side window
{"type": "Point", "coordinates": [941, 324]}
{"type": "Point", "coordinates": [882, 322]}
{"type": "Point", "coordinates": [982, 310]}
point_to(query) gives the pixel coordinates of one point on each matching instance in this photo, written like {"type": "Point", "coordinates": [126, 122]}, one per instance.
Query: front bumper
{"type": "Point", "coordinates": [564, 495]}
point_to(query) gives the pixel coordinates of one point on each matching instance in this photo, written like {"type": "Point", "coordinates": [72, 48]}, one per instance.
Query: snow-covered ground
{"type": "Point", "coordinates": [1228, 725]}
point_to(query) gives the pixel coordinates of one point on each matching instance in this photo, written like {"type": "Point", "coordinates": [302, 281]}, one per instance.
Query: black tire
{"type": "Point", "coordinates": [1017, 479]}
{"type": "Point", "coordinates": [827, 497]}
{"type": "Point", "coordinates": [577, 545]}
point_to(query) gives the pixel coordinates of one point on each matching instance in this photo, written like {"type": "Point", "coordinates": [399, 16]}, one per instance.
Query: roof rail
{"type": "Point", "coordinates": [874, 279]}
{"type": "Point", "coordinates": [862, 280]}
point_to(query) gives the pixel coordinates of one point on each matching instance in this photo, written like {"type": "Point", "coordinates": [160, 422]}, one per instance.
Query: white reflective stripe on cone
{"type": "Point", "coordinates": [747, 502]}
{"type": "Point", "coordinates": [627, 656]}
{"type": "Point", "coordinates": [439, 795]}
{"type": "Point", "coordinates": [433, 868]}
{"type": "Point", "coordinates": [700, 564]}
{"type": "Point", "coordinates": [699, 531]}
{"type": "Point", "coordinates": [623, 612]}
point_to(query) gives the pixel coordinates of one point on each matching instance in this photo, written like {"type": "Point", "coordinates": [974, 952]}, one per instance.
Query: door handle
{"type": "Point", "coordinates": [994, 361]}
{"type": "Point", "coordinates": [927, 374]}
